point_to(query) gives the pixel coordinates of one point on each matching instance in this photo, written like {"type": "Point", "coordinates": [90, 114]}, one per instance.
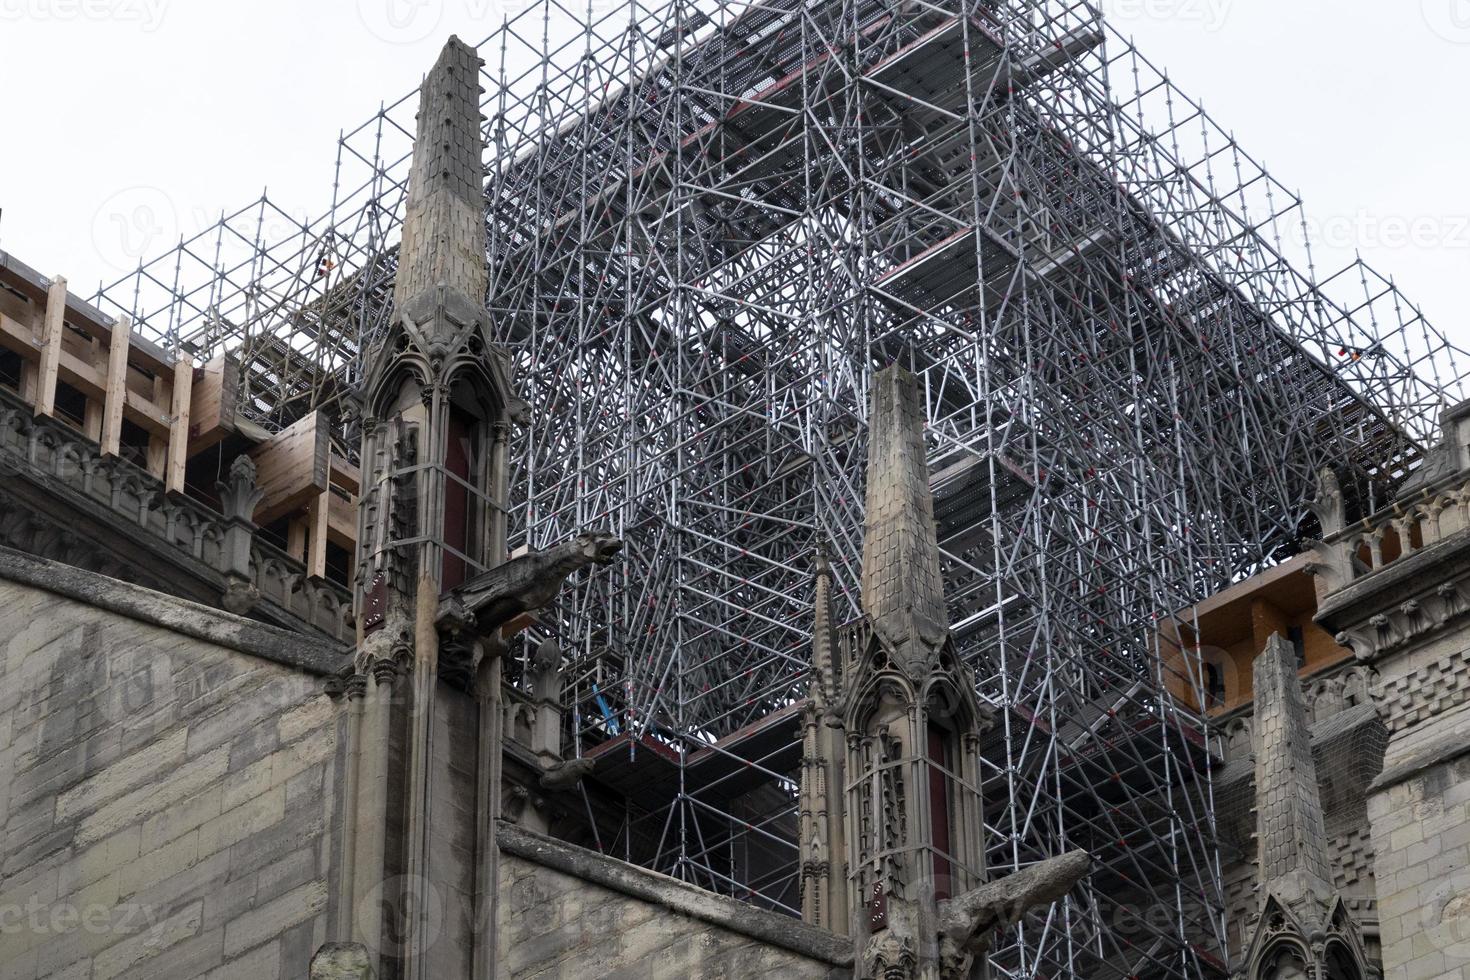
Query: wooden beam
{"type": "Point", "coordinates": [157, 458]}
{"type": "Point", "coordinates": [178, 434]}
{"type": "Point", "coordinates": [296, 539]}
{"type": "Point", "coordinates": [115, 387]}
{"type": "Point", "coordinates": [341, 519]}
{"type": "Point", "coordinates": [212, 404]}
{"type": "Point", "coordinates": [53, 325]}
{"type": "Point", "coordinates": [346, 476]}
{"type": "Point", "coordinates": [316, 534]}
{"type": "Point", "coordinates": [292, 467]}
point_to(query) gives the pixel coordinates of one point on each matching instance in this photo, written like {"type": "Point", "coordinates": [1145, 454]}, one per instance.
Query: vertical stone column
{"type": "Point", "coordinates": [238, 498]}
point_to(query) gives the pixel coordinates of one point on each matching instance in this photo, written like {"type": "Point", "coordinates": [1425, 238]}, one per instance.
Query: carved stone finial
{"type": "Point", "coordinates": [1328, 505]}
{"type": "Point", "coordinates": [239, 495]}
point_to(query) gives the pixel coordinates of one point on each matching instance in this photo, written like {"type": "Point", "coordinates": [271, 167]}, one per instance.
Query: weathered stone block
{"type": "Point", "coordinates": [274, 917]}
{"type": "Point", "coordinates": [342, 961]}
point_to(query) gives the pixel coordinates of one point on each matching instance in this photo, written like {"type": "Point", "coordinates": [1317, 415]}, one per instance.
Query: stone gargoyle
{"type": "Point", "coordinates": [968, 922]}
{"type": "Point", "coordinates": [525, 584]}
{"type": "Point", "coordinates": [566, 775]}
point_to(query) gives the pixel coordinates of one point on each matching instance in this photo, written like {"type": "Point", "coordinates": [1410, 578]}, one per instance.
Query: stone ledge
{"type": "Point", "coordinates": [1447, 748]}
{"type": "Point", "coordinates": [677, 896]}
{"type": "Point", "coordinates": [320, 657]}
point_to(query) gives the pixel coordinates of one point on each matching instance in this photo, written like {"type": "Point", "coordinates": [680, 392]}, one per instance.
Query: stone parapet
{"type": "Point", "coordinates": [673, 902]}
{"type": "Point", "coordinates": [169, 538]}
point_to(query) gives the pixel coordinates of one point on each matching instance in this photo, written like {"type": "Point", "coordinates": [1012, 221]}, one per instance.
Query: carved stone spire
{"type": "Point", "coordinates": [444, 222]}
{"type": "Point", "coordinates": [902, 589]}
{"type": "Point", "coordinates": [1304, 927]}
{"type": "Point", "coordinates": [823, 688]}
{"type": "Point", "coordinates": [1293, 836]}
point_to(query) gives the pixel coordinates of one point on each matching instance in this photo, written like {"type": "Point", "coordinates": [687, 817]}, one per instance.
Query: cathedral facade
{"type": "Point", "coordinates": [220, 757]}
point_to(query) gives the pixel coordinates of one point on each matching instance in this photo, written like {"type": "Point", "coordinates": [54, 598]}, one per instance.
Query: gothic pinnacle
{"type": "Point", "coordinates": [902, 588]}
{"type": "Point", "coordinates": [444, 221]}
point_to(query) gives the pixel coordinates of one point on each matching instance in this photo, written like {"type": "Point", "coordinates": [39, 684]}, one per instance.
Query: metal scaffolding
{"type": "Point", "coordinates": [709, 222]}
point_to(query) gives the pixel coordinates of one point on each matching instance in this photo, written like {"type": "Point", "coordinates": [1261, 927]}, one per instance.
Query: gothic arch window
{"type": "Point", "coordinates": [1340, 964]}
{"type": "Point", "coordinates": [941, 762]}
{"type": "Point", "coordinates": [946, 716]}
{"type": "Point", "coordinates": [467, 483]}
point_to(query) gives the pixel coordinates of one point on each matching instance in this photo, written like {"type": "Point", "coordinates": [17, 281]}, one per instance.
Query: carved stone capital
{"type": "Point", "coordinates": [385, 671]}
{"type": "Point", "coordinates": [355, 686]}
{"type": "Point", "coordinates": [889, 956]}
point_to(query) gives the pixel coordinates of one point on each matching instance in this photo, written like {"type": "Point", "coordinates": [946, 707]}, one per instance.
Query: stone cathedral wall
{"type": "Point", "coordinates": [1419, 810]}
{"type": "Point", "coordinates": [167, 776]}
{"type": "Point", "coordinates": [568, 912]}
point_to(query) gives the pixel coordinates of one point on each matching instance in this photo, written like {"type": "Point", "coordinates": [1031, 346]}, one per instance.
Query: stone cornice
{"type": "Point", "coordinates": [676, 896]}
{"type": "Point", "coordinates": [1447, 748]}
{"type": "Point", "coordinates": [1406, 600]}
{"type": "Point", "coordinates": [314, 656]}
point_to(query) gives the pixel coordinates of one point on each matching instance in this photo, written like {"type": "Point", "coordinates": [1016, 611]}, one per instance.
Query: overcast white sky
{"type": "Point", "coordinates": [194, 107]}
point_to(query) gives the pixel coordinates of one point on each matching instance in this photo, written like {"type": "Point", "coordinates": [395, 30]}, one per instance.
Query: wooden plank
{"type": "Point", "coordinates": [346, 476]}
{"type": "Point", "coordinates": [52, 328]}
{"type": "Point", "coordinates": [296, 539]}
{"type": "Point", "coordinates": [115, 387]}
{"type": "Point", "coordinates": [178, 434]}
{"type": "Point", "coordinates": [212, 403]}
{"type": "Point", "coordinates": [316, 534]}
{"type": "Point", "coordinates": [157, 457]}
{"type": "Point", "coordinates": [92, 420]}
{"type": "Point", "coordinates": [291, 468]}
{"type": "Point", "coordinates": [341, 518]}
{"type": "Point", "coordinates": [138, 408]}
{"type": "Point", "coordinates": [80, 314]}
